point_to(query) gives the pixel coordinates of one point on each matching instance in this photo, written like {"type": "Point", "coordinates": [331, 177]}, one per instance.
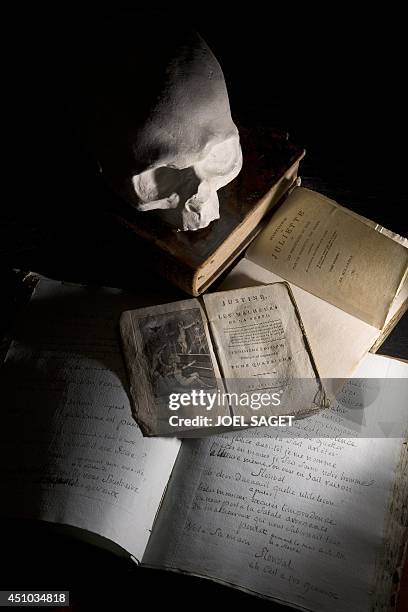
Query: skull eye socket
{"type": "Point", "coordinates": [221, 160]}
{"type": "Point", "coordinates": [161, 183]}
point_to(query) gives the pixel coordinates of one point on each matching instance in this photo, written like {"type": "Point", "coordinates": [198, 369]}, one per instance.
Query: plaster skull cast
{"type": "Point", "coordinates": [154, 108]}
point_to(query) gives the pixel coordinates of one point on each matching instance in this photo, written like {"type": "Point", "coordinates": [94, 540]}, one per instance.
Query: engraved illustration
{"type": "Point", "coordinates": [177, 352]}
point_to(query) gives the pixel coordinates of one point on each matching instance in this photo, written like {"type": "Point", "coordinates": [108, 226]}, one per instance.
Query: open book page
{"type": "Point", "coordinates": [169, 353]}
{"type": "Point", "coordinates": [71, 451]}
{"type": "Point", "coordinates": [262, 347]}
{"type": "Point", "coordinates": [319, 246]}
{"type": "Point", "coordinates": [298, 518]}
{"type": "Point", "coordinates": [400, 303]}
{"type": "Point", "coordinates": [339, 340]}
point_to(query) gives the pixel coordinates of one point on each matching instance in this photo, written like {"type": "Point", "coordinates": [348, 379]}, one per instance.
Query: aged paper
{"type": "Point", "coordinates": [333, 254]}
{"type": "Point", "coordinates": [339, 340]}
{"type": "Point", "coordinates": [168, 352]}
{"type": "Point", "coordinates": [299, 518]}
{"type": "Point", "coordinates": [71, 451]}
{"type": "Point", "coordinates": [262, 347]}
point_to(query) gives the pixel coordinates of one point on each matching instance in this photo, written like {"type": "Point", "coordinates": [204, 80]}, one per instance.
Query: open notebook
{"type": "Point", "coordinates": [316, 520]}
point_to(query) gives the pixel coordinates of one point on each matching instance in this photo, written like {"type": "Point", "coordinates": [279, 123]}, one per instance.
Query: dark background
{"type": "Point", "coordinates": [333, 80]}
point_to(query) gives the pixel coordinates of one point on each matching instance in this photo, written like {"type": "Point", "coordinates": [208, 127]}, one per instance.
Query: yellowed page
{"type": "Point", "coordinates": [400, 303]}
{"type": "Point", "coordinates": [262, 347]}
{"type": "Point", "coordinates": [332, 253]}
{"type": "Point", "coordinates": [169, 353]}
{"type": "Point", "coordinates": [339, 341]}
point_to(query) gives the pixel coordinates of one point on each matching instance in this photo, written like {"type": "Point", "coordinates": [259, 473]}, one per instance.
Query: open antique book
{"type": "Point", "coordinates": [348, 287]}
{"type": "Point", "coordinates": [235, 344]}
{"type": "Point", "coordinates": [316, 520]}
{"type": "Point", "coordinates": [348, 275]}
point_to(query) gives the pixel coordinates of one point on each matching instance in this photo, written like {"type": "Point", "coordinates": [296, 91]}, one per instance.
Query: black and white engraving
{"type": "Point", "coordinates": [177, 352]}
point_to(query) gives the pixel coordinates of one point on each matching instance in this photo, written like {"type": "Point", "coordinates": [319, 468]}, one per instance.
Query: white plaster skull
{"type": "Point", "coordinates": [154, 108]}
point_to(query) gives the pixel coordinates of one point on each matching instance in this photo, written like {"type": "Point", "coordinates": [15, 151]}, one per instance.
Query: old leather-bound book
{"type": "Point", "coordinates": [193, 260]}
